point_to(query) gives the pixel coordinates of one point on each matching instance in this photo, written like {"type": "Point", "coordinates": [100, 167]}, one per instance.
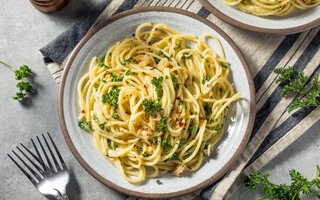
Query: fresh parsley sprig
{"type": "Point", "coordinates": [299, 185]}
{"type": "Point", "coordinates": [22, 74]}
{"type": "Point", "coordinates": [294, 85]}
{"type": "Point", "coordinates": [312, 98]}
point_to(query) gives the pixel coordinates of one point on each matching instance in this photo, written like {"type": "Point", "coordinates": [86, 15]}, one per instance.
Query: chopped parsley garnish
{"type": "Point", "coordinates": [116, 78]}
{"type": "Point", "coordinates": [157, 82]}
{"type": "Point", "coordinates": [156, 60]}
{"type": "Point", "coordinates": [174, 157]}
{"type": "Point", "coordinates": [96, 85]}
{"type": "Point", "coordinates": [224, 64]}
{"type": "Point", "coordinates": [127, 61]}
{"type": "Point", "coordinates": [164, 55]}
{"type": "Point", "coordinates": [83, 123]}
{"type": "Point", "coordinates": [182, 142]}
{"type": "Point", "coordinates": [115, 116]}
{"type": "Point", "coordinates": [145, 154]}
{"type": "Point", "coordinates": [181, 102]}
{"type": "Point", "coordinates": [205, 79]}
{"type": "Point", "coordinates": [100, 60]}
{"type": "Point", "coordinates": [111, 98]}
{"type": "Point", "coordinates": [192, 130]}
{"type": "Point", "coordinates": [158, 182]}
{"type": "Point", "coordinates": [139, 148]}
{"type": "Point", "coordinates": [165, 143]}
{"type": "Point", "coordinates": [109, 142]}
{"type": "Point", "coordinates": [207, 109]}
{"type": "Point", "coordinates": [186, 55]}
{"type": "Point", "coordinates": [154, 141]}
{"type": "Point", "coordinates": [151, 106]}
{"type": "Point", "coordinates": [175, 83]}
{"type": "Point", "coordinates": [178, 45]}
{"type": "Point", "coordinates": [163, 127]}
{"type": "Point", "coordinates": [102, 126]}
{"type": "Point", "coordinates": [128, 72]}
{"type": "Point", "coordinates": [102, 80]}
{"type": "Point", "coordinates": [218, 128]}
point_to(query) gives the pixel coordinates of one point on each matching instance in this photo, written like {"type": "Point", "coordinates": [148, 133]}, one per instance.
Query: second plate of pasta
{"type": "Point", "coordinates": [156, 102]}
{"type": "Point", "coordinates": [265, 16]}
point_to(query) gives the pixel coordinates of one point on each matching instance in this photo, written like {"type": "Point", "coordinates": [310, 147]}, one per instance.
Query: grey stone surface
{"type": "Point", "coordinates": [23, 30]}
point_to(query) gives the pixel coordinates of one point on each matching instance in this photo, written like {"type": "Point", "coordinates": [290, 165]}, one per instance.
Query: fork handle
{"type": "Point", "coordinates": [62, 197]}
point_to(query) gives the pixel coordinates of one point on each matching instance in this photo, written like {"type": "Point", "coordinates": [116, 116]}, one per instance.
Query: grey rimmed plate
{"type": "Point", "coordinates": [297, 21]}
{"type": "Point", "coordinates": [118, 27]}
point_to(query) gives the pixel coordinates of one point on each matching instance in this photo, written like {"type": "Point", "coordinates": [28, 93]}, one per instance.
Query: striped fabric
{"type": "Point", "coordinates": [274, 129]}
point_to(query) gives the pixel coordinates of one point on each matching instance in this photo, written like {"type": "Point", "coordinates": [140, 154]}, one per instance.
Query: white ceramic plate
{"type": "Point", "coordinates": [98, 40]}
{"type": "Point", "coordinates": [297, 21]}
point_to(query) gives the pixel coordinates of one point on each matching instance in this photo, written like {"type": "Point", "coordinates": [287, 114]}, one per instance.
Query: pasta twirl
{"type": "Point", "coordinates": [271, 7]}
{"type": "Point", "coordinates": [154, 104]}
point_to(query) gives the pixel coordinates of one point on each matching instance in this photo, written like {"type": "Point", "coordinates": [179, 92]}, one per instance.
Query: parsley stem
{"type": "Point", "coordinates": [8, 66]}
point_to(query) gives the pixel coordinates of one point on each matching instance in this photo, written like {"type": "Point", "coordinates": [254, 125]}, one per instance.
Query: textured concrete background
{"type": "Point", "coordinates": [23, 30]}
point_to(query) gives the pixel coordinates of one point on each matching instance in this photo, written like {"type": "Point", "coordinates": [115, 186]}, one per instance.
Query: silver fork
{"type": "Point", "coordinates": [50, 178]}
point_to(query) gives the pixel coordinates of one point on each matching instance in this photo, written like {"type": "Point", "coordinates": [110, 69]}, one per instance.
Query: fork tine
{"type": "Point", "coordinates": [29, 168]}
{"type": "Point", "coordinates": [52, 155]}
{"type": "Point", "coordinates": [39, 156]}
{"type": "Point", "coordinates": [57, 151]}
{"type": "Point", "coordinates": [34, 164]}
{"type": "Point", "coordinates": [30, 152]}
{"type": "Point", "coordinates": [46, 155]}
{"type": "Point", "coordinates": [33, 181]}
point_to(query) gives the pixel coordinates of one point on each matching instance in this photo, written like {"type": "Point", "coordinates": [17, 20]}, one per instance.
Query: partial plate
{"type": "Point", "coordinates": [116, 28]}
{"type": "Point", "coordinates": [297, 21]}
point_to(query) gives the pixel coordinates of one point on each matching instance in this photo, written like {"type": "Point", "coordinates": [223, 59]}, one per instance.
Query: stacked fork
{"type": "Point", "coordinates": [49, 175]}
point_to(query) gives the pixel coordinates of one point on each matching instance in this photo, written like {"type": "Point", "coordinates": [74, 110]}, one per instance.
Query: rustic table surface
{"type": "Point", "coordinates": [23, 30]}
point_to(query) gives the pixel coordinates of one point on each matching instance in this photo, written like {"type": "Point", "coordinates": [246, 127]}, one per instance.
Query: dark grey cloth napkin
{"type": "Point", "coordinates": [58, 50]}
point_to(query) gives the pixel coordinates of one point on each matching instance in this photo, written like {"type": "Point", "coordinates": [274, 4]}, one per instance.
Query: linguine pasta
{"type": "Point", "coordinates": [154, 104]}
{"type": "Point", "coordinates": [271, 7]}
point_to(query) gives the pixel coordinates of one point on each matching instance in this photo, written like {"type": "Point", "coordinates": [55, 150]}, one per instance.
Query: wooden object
{"type": "Point", "coordinates": [48, 6]}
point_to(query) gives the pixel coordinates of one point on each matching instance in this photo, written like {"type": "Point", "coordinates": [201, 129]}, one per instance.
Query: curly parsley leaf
{"type": "Point", "coordinates": [116, 78]}
{"type": "Point", "coordinates": [83, 123]}
{"type": "Point", "coordinates": [100, 60]}
{"type": "Point", "coordinates": [111, 98]}
{"type": "Point", "coordinates": [299, 185]}
{"type": "Point", "coordinates": [296, 85]}
{"type": "Point", "coordinates": [284, 74]}
{"type": "Point", "coordinates": [21, 74]}
{"type": "Point", "coordinates": [163, 127]}
{"type": "Point", "coordinates": [151, 106]}
{"type": "Point", "coordinates": [312, 98]}
{"type": "Point", "coordinates": [205, 79]}
{"type": "Point", "coordinates": [127, 61]}
{"type": "Point", "coordinates": [157, 82]}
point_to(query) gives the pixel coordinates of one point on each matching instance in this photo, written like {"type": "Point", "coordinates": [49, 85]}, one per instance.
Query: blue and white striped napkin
{"type": "Point", "coordinates": [274, 128]}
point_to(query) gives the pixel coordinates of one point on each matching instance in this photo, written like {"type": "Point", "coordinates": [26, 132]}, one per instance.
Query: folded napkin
{"type": "Point", "coordinates": [274, 128]}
